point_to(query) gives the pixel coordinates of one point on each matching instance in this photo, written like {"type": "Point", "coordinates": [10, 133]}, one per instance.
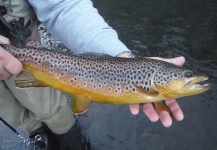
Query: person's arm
{"type": "Point", "coordinates": [77, 24]}
{"type": "Point", "coordinates": [9, 65]}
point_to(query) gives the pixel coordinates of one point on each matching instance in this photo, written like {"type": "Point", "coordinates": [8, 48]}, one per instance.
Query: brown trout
{"type": "Point", "coordinates": [105, 79]}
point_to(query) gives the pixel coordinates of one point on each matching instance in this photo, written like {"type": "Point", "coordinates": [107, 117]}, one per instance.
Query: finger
{"type": "Point", "coordinates": [4, 40]}
{"type": "Point", "coordinates": [9, 63]}
{"type": "Point", "coordinates": [165, 118]}
{"type": "Point", "coordinates": [179, 61]}
{"type": "Point", "coordinates": [149, 110]}
{"type": "Point", "coordinates": [4, 74]}
{"type": "Point", "coordinates": [134, 108]}
{"type": "Point", "coordinates": [175, 109]}
{"type": "Point", "coordinates": [164, 114]}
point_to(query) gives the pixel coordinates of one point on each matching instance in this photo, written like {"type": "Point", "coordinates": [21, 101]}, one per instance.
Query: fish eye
{"type": "Point", "coordinates": [188, 74]}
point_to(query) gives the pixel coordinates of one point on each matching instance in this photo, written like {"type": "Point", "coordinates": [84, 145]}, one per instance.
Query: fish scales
{"type": "Point", "coordinates": [96, 72]}
{"type": "Point", "coordinates": [103, 78]}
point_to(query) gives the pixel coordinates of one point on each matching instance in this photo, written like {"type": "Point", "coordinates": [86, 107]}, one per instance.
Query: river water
{"type": "Point", "coordinates": [163, 28]}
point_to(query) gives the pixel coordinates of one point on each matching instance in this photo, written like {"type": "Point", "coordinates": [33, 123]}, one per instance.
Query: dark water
{"type": "Point", "coordinates": [164, 28]}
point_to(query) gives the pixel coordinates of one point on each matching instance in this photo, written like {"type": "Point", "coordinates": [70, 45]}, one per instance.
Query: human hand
{"type": "Point", "coordinates": [164, 116]}
{"type": "Point", "coordinates": [9, 65]}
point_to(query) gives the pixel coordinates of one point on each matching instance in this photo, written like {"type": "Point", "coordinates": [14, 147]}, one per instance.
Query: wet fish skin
{"type": "Point", "coordinates": [106, 79]}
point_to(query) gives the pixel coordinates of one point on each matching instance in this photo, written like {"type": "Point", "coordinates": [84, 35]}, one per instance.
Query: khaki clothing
{"type": "Point", "coordinates": [30, 107]}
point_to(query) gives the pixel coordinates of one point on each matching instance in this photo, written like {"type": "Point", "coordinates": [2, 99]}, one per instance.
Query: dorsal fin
{"type": "Point", "coordinates": [94, 55]}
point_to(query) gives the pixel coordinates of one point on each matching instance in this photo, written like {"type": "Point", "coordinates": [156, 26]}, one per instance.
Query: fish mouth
{"type": "Point", "coordinates": [198, 83]}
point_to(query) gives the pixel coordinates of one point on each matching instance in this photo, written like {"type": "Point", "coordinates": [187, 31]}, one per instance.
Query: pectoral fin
{"type": "Point", "coordinates": [25, 79]}
{"type": "Point", "coordinates": [160, 106]}
{"type": "Point", "coordinates": [80, 104]}
{"type": "Point", "coordinates": [164, 91]}
{"type": "Point", "coordinates": [149, 93]}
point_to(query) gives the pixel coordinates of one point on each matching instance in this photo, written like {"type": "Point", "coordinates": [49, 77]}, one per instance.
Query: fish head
{"type": "Point", "coordinates": [173, 81]}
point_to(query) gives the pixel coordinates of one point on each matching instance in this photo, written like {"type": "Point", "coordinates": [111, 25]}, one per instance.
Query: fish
{"type": "Point", "coordinates": [105, 79]}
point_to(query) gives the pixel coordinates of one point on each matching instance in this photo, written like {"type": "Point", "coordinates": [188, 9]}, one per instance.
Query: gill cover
{"type": "Point", "coordinates": [174, 81]}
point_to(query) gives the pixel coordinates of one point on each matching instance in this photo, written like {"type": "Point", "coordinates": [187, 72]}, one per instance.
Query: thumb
{"type": "Point", "coordinates": [4, 40]}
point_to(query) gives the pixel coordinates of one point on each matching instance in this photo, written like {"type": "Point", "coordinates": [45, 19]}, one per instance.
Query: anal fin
{"type": "Point", "coordinates": [26, 79]}
{"type": "Point", "coordinates": [80, 104]}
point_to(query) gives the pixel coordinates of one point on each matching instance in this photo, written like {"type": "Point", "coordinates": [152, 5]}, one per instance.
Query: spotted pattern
{"type": "Point", "coordinates": [112, 74]}
{"type": "Point", "coordinates": [167, 72]}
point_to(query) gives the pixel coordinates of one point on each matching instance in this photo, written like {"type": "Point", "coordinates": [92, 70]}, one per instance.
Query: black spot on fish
{"type": "Point", "coordinates": [149, 75]}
